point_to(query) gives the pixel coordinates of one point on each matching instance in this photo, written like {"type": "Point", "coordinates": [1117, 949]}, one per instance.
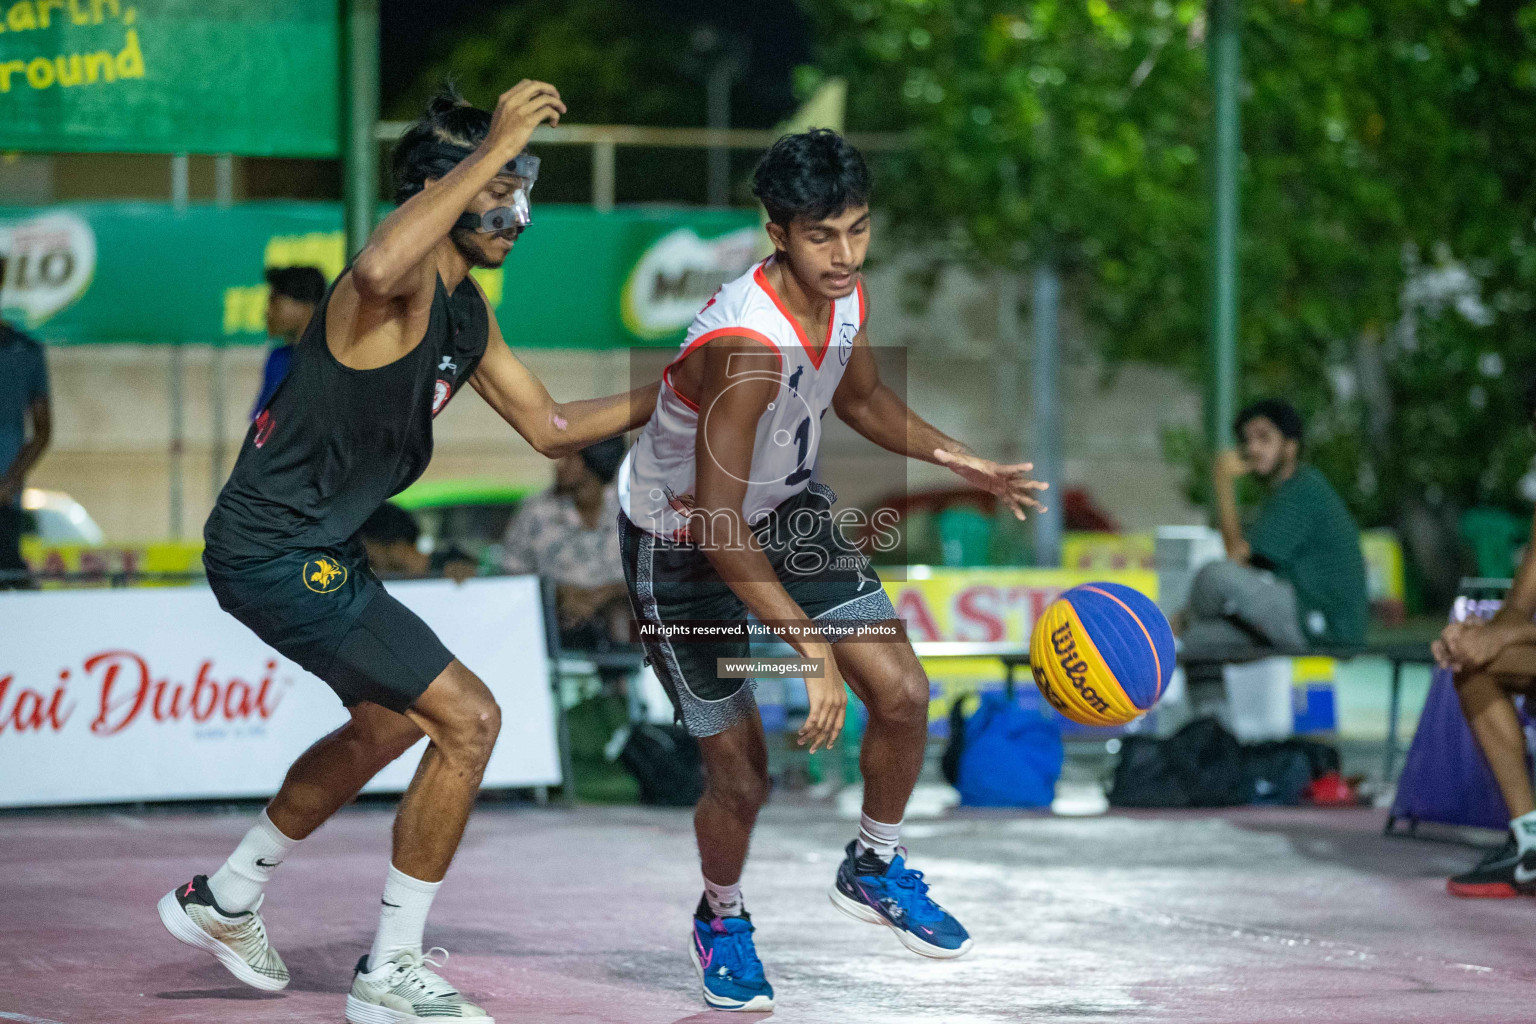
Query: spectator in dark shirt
{"type": "Point", "coordinates": [292, 295]}
{"type": "Point", "coordinates": [1295, 578]}
{"type": "Point", "coordinates": [26, 424]}
{"type": "Point", "coordinates": [390, 536]}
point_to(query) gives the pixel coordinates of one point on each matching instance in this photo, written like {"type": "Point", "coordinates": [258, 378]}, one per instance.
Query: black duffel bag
{"type": "Point", "coordinates": [665, 761]}
{"type": "Point", "coordinates": [1279, 771]}
{"type": "Point", "coordinates": [1201, 765]}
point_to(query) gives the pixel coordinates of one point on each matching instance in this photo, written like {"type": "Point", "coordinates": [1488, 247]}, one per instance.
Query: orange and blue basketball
{"type": "Point", "coordinates": [1102, 654]}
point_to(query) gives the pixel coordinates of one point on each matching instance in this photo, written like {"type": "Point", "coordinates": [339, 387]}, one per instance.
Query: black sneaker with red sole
{"type": "Point", "coordinates": [1503, 874]}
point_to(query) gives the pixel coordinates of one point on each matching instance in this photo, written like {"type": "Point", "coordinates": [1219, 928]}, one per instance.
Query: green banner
{"type": "Point", "coordinates": [251, 77]}
{"type": "Point", "coordinates": [142, 272]}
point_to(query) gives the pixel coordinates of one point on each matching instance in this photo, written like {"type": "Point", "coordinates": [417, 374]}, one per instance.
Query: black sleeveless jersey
{"type": "Point", "coordinates": [334, 443]}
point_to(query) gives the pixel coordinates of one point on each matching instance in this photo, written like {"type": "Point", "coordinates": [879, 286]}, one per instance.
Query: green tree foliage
{"type": "Point", "coordinates": [1064, 130]}
{"type": "Point", "coordinates": [1388, 261]}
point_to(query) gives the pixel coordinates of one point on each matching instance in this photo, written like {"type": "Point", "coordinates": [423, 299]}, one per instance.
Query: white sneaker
{"type": "Point", "coordinates": [403, 990]}
{"type": "Point", "coordinates": [239, 941]}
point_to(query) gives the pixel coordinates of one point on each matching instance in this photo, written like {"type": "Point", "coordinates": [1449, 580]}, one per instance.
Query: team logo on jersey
{"type": "Point", "coordinates": [845, 342]}
{"type": "Point", "coordinates": [440, 395]}
{"type": "Point", "coordinates": [324, 576]}
{"type": "Point", "coordinates": [263, 428]}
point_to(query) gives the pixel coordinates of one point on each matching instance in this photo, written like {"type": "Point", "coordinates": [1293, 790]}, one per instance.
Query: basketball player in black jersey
{"type": "Point", "coordinates": [397, 335]}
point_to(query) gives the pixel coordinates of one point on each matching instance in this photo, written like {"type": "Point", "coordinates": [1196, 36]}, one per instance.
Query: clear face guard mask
{"type": "Point", "coordinates": [518, 214]}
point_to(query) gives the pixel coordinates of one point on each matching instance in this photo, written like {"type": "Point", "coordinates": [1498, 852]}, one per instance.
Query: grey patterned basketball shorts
{"type": "Point", "coordinates": [674, 582]}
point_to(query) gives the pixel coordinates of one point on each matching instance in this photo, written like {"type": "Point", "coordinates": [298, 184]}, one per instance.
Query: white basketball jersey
{"type": "Point", "coordinates": [661, 464]}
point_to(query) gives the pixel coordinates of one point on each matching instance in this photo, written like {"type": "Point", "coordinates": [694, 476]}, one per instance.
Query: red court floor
{"type": "Point", "coordinates": [563, 916]}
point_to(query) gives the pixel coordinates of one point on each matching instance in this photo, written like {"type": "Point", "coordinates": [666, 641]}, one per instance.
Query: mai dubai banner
{"type": "Point", "coordinates": [125, 695]}
{"type": "Point", "coordinates": [145, 273]}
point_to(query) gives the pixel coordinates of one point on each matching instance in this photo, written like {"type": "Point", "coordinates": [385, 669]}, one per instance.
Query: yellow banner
{"type": "Point", "coordinates": [986, 606]}
{"type": "Point", "coordinates": [1102, 551]}
{"type": "Point", "coordinates": [103, 562]}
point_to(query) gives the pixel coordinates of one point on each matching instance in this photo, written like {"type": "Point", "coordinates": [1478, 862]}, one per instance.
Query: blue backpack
{"type": "Point", "coordinates": [1006, 754]}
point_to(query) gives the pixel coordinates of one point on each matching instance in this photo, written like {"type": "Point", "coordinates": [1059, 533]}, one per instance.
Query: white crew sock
{"type": "Point", "coordinates": [403, 916]}
{"type": "Point", "coordinates": [1524, 828]}
{"type": "Point", "coordinates": [238, 884]}
{"type": "Point", "coordinates": [878, 838]}
{"type": "Point", "coordinates": [724, 900]}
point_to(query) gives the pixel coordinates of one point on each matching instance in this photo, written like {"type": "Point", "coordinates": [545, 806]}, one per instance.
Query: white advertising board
{"type": "Point", "coordinates": [156, 694]}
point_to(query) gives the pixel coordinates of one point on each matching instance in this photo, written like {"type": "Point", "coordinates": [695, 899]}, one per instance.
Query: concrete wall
{"type": "Point", "coordinates": [112, 410]}
{"type": "Point", "coordinates": [973, 383]}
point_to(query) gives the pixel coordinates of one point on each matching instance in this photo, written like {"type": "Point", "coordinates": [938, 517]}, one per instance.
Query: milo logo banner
{"type": "Point", "coordinates": [46, 263]}
{"type": "Point", "coordinates": [251, 77]}
{"type": "Point", "coordinates": [677, 274]}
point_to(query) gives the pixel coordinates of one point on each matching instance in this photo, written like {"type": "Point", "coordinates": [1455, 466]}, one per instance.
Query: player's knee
{"type": "Point", "coordinates": [744, 792]}
{"type": "Point", "coordinates": [472, 736]}
{"type": "Point", "coordinates": [904, 700]}
{"type": "Point", "coordinates": [487, 727]}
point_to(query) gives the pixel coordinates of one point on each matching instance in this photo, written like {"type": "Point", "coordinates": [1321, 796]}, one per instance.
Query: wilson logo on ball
{"type": "Point", "coordinates": [1065, 647]}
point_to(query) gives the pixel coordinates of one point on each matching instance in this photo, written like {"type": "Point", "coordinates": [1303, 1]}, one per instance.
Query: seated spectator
{"type": "Point", "coordinates": [26, 425]}
{"type": "Point", "coordinates": [567, 535]}
{"type": "Point", "coordinates": [390, 535]}
{"type": "Point", "coordinates": [1295, 578]}
{"type": "Point", "coordinates": [292, 295]}
{"type": "Point", "coordinates": [1493, 661]}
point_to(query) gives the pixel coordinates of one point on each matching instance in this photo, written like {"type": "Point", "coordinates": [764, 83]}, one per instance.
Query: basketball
{"type": "Point", "coordinates": [1102, 654]}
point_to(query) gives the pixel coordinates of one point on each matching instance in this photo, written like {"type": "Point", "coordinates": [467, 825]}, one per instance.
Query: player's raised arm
{"type": "Point", "coordinates": [869, 406]}
{"type": "Point", "coordinates": [554, 429]}
{"type": "Point", "coordinates": [384, 269]}
{"type": "Point", "coordinates": [740, 379]}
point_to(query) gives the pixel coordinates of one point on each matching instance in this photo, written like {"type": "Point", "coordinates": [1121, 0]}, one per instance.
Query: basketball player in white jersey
{"type": "Point", "coordinates": [720, 517]}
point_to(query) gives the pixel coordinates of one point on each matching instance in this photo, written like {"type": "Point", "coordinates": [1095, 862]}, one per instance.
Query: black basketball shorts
{"type": "Point", "coordinates": [672, 582]}
{"type": "Point", "coordinates": [328, 612]}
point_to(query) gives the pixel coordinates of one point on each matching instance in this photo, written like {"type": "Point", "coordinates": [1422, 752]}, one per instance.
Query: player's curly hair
{"type": "Point", "coordinates": [814, 174]}
{"type": "Point", "coordinates": [425, 149]}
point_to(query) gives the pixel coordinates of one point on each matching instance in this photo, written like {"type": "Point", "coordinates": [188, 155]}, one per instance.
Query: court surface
{"type": "Point", "coordinates": [552, 915]}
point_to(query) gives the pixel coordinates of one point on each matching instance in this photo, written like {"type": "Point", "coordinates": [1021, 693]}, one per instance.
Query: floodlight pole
{"type": "Point", "coordinates": [360, 112]}
{"type": "Point", "coordinates": [1226, 63]}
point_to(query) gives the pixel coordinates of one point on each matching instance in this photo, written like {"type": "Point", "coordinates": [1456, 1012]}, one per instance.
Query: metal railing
{"type": "Point", "coordinates": [605, 140]}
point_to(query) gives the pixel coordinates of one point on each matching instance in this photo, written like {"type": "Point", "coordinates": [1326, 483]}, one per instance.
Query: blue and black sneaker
{"type": "Point", "coordinates": [896, 896]}
{"type": "Point", "coordinates": [729, 969]}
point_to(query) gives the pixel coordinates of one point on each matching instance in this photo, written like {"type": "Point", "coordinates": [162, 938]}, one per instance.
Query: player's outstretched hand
{"type": "Point", "coordinates": [829, 703]}
{"type": "Point", "coordinates": [1007, 482]}
{"type": "Point", "coordinates": [518, 112]}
